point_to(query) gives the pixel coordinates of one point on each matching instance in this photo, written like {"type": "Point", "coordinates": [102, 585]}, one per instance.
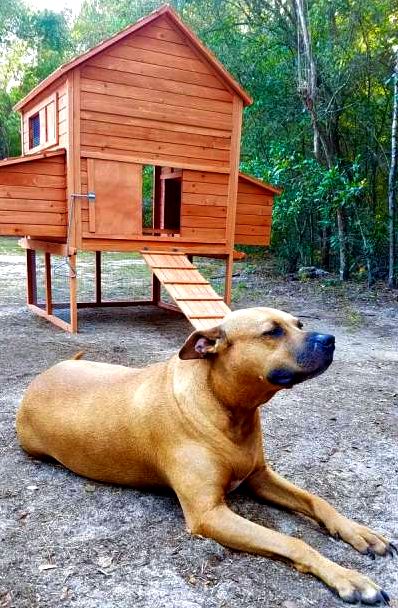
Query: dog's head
{"type": "Point", "coordinates": [262, 345]}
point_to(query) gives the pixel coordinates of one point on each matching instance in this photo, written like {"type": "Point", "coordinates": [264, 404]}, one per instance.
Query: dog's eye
{"type": "Point", "coordinates": [275, 332]}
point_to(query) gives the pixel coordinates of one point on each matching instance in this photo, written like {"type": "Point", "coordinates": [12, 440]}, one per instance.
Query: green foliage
{"type": "Point", "coordinates": [147, 195]}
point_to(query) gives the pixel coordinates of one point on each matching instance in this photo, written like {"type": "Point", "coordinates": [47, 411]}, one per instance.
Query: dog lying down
{"type": "Point", "coordinates": [192, 423]}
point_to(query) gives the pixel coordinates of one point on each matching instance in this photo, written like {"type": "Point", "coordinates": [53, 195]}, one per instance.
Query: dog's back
{"type": "Point", "coordinates": [78, 413]}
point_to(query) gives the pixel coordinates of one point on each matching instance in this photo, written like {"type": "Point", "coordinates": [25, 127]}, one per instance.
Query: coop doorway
{"type": "Point", "coordinates": [161, 200]}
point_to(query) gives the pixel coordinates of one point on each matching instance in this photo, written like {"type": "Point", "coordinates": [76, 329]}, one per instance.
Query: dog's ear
{"type": "Point", "coordinates": [203, 343]}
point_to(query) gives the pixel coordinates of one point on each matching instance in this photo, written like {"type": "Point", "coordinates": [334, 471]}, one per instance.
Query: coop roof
{"type": "Point", "coordinates": [258, 182]}
{"type": "Point", "coordinates": [14, 160]}
{"type": "Point", "coordinates": [163, 10]}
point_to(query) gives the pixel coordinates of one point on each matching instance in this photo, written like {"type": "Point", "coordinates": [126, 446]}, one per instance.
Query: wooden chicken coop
{"type": "Point", "coordinates": [150, 100]}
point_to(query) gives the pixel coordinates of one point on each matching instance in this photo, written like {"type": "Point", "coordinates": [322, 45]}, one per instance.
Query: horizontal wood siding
{"type": "Point", "coordinates": [153, 99]}
{"type": "Point", "coordinates": [33, 198]}
{"type": "Point", "coordinates": [253, 214]}
{"type": "Point", "coordinates": [204, 205]}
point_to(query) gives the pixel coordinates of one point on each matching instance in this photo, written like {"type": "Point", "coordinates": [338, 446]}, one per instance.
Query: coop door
{"type": "Point", "coordinates": [116, 210]}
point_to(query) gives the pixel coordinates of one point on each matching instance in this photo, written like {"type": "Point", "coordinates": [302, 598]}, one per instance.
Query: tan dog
{"type": "Point", "coordinates": [192, 423]}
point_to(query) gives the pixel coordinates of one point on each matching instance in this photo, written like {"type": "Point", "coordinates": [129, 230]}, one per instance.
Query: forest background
{"type": "Point", "coordinates": [324, 77]}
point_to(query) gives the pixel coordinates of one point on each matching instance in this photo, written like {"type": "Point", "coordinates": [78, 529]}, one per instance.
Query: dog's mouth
{"type": "Point", "coordinates": [312, 360]}
{"type": "Point", "coordinates": [287, 378]}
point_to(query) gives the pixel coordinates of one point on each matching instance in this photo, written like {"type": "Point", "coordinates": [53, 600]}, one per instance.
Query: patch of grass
{"type": "Point", "coordinates": [9, 246]}
{"type": "Point", "coordinates": [353, 317]}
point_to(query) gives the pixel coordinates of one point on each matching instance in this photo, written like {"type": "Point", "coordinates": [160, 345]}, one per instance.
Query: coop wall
{"type": "Point", "coordinates": [253, 214]}
{"type": "Point", "coordinates": [52, 107]}
{"type": "Point", "coordinates": [152, 99]}
{"type": "Point", "coordinates": [204, 205]}
{"type": "Point", "coordinates": [33, 198]}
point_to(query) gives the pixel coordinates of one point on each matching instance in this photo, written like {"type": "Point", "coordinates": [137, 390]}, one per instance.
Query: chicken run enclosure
{"type": "Point", "coordinates": [130, 160]}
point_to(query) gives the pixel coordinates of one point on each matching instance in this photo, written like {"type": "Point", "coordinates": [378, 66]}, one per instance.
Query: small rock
{"type": "Point", "coordinates": [44, 567]}
{"type": "Point", "coordinates": [89, 487]}
{"type": "Point", "coordinates": [105, 561]}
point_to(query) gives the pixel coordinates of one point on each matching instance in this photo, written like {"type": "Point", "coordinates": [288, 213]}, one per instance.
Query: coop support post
{"type": "Point", "coordinates": [31, 295]}
{"type": "Point", "coordinates": [73, 293]}
{"type": "Point", "coordinates": [229, 266]}
{"type": "Point", "coordinates": [98, 282]}
{"type": "Point", "coordinates": [48, 287]}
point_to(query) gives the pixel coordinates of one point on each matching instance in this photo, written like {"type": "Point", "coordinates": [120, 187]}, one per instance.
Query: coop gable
{"type": "Point", "coordinates": [172, 43]}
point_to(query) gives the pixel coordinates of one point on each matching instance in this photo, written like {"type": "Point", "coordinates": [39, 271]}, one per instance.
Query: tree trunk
{"type": "Point", "coordinates": [325, 248]}
{"type": "Point", "coordinates": [392, 184]}
{"type": "Point", "coordinates": [343, 271]}
{"type": "Point", "coordinates": [309, 94]}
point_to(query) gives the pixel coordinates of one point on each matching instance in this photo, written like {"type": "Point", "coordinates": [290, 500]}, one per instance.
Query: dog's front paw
{"type": "Point", "coordinates": [354, 587]}
{"type": "Point", "coordinates": [363, 539]}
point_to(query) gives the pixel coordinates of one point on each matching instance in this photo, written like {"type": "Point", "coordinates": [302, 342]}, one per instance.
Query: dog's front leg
{"type": "Point", "coordinates": [232, 530]}
{"type": "Point", "coordinates": [199, 485]}
{"type": "Point", "coordinates": [270, 486]}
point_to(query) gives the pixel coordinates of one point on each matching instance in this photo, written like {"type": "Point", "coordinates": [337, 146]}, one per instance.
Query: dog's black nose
{"type": "Point", "coordinates": [326, 340]}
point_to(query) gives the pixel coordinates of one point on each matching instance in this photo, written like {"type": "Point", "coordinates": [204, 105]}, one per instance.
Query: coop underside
{"type": "Point", "coordinates": [171, 282]}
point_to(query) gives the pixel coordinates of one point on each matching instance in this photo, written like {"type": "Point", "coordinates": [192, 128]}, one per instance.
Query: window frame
{"type": "Point", "coordinates": [48, 136]}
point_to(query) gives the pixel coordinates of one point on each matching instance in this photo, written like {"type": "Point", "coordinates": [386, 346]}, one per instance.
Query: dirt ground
{"type": "Point", "coordinates": [69, 542]}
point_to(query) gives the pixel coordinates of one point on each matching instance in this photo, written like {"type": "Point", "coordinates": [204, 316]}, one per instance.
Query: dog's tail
{"type": "Point", "coordinates": [78, 355]}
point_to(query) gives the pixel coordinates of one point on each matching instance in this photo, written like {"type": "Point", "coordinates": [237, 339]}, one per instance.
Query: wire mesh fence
{"type": "Point", "coordinates": [125, 277]}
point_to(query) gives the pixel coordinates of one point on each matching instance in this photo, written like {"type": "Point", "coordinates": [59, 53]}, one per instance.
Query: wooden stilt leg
{"type": "Point", "coordinates": [47, 266]}
{"type": "Point", "coordinates": [229, 267]}
{"type": "Point", "coordinates": [98, 286]}
{"type": "Point", "coordinates": [73, 293]}
{"type": "Point", "coordinates": [31, 295]}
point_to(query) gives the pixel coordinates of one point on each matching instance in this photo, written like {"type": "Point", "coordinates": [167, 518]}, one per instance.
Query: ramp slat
{"type": "Point", "coordinates": [192, 293]}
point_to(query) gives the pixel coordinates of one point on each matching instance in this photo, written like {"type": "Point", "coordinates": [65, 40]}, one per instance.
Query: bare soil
{"type": "Point", "coordinates": [69, 542]}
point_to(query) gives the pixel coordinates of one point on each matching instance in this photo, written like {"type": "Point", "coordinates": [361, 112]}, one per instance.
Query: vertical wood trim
{"type": "Point", "coordinates": [229, 265]}
{"type": "Point", "coordinates": [73, 293]}
{"type": "Point", "coordinates": [234, 173]}
{"type": "Point", "coordinates": [98, 285]}
{"type": "Point", "coordinates": [91, 188]}
{"type": "Point", "coordinates": [237, 109]}
{"type": "Point", "coordinates": [31, 276]}
{"type": "Point", "coordinates": [56, 118]}
{"type": "Point", "coordinates": [70, 170]}
{"type": "Point", "coordinates": [43, 126]}
{"type": "Point", "coordinates": [76, 155]}
{"type": "Point", "coordinates": [22, 135]}
{"type": "Point", "coordinates": [49, 300]}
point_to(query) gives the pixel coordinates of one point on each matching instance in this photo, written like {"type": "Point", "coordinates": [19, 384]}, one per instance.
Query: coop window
{"type": "Point", "coordinates": [34, 130]}
{"type": "Point", "coordinates": [41, 124]}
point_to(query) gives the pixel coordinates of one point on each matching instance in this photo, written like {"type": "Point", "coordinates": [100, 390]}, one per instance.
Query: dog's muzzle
{"type": "Point", "coordinates": [313, 358]}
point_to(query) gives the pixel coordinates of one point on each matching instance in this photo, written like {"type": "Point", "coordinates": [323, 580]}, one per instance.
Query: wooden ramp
{"type": "Point", "coordinates": [192, 293]}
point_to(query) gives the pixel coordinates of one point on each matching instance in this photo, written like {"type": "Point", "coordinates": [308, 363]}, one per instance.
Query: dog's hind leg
{"type": "Point", "coordinates": [269, 486]}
